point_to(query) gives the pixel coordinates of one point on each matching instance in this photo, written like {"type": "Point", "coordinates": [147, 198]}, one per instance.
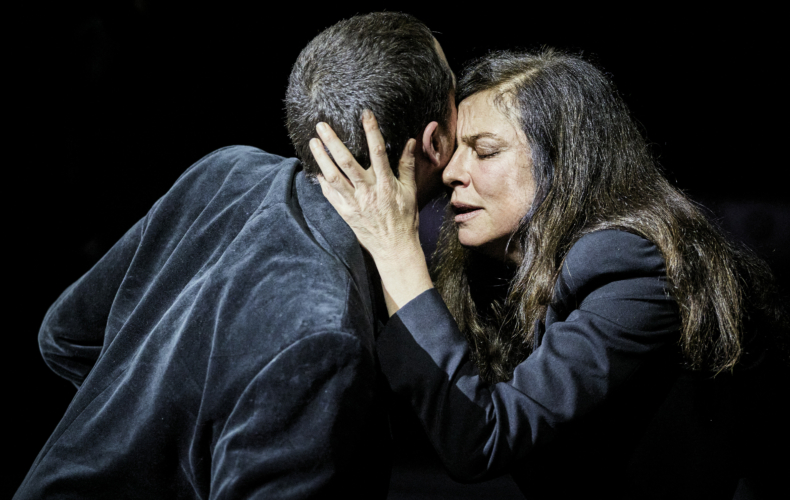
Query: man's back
{"type": "Point", "coordinates": [223, 348]}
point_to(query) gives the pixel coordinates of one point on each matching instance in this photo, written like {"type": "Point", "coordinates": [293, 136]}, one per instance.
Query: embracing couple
{"type": "Point", "coordinates": [241, 339]}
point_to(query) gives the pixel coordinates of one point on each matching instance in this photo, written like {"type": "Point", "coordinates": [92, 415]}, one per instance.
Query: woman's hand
{"type": "Point", "coordinates": [380, 208]}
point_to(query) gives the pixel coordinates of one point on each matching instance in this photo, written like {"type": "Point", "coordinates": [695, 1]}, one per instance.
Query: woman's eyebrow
{"type": "Point", "coordinates": [472, 139]}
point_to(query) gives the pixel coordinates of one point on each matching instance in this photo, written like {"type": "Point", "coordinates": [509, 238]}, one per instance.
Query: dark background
{"type": "Point", "coordinates": [116, 99]}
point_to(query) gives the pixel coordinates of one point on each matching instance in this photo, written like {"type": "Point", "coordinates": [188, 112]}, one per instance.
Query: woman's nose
{"type": "Point", "coordinates": [455, 174]}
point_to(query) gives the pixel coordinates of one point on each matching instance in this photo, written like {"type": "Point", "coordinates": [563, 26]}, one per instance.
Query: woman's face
{"type": "Point", "coordinates": [491, 177]}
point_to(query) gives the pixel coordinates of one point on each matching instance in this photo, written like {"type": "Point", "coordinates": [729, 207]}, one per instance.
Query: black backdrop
{"type": "Point", "coordinates": [118, 98]}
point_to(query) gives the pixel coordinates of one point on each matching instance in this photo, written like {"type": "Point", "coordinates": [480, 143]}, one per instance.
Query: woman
{"type": "Point", "coordinates": [582, 303]}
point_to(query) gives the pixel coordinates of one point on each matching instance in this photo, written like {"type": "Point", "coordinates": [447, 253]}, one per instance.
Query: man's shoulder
{"type": "Point", "coordinates": [237, 230]}
{"type": "Point", "coordinates": [248, 160]}
{"type": "Point", "coordinates": [290, 278]}
{"type": "Point", "coordinates": [243, 177]}
{"type": "Point", "coordinates": [283, 287]}
{"type": "Point", "coordinates": [236, 153]}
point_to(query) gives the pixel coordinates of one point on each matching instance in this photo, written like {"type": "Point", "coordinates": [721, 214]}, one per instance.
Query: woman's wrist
{"type": "Point", "coordinates": [404, 276]}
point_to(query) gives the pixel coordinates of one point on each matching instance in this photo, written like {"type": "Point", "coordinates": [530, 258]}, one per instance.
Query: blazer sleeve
{"type": "Point", "coordinates": [72, 333]}
{"type": "Point", "coordinates": [304, 427]}
{"type": "Point", "coordinates": [610, 313]}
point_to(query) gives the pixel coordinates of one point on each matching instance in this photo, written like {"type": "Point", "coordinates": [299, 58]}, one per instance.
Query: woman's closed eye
{"type": "Point", "coordinates": [486, 154]}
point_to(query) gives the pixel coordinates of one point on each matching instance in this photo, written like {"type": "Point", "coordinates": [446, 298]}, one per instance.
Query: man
{"type": "Point", "coordinates": [223, 348]}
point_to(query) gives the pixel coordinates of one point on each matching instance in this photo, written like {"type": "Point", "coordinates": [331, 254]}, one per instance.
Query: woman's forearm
{"type": "Point", "coordinates": [404, 275]}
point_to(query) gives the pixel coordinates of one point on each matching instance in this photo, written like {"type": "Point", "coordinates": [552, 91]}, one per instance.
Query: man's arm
{"type": "Point", "coordinates": [305, 427]}
{"type": "Point", "coordinates": [72, 334]}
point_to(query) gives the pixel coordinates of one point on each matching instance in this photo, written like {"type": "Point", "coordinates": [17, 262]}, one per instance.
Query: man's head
{"type": "Point", "coordinates": [389, 63]}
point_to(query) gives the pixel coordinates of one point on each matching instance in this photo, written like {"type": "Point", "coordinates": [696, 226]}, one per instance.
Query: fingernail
{"type": "Point", "coordinates": [367, 114]}
{"type": "Point", "coordinates": [321, 127]}
{"type": "Point", "coordinates": [313, 143]}
{"type": "Point", "coordinates": [412, 143]}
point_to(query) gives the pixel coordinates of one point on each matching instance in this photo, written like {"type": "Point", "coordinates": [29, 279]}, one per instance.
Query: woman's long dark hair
{"type": "Point", "coordinates": [593, 171]}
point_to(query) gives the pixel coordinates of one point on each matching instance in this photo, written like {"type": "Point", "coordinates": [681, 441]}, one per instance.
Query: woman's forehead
{"type": "Point", "coordinates": [480, 116]}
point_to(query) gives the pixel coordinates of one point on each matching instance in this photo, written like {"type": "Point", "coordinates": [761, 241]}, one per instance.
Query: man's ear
{"type": "Point", "coordinates": [431, 144]}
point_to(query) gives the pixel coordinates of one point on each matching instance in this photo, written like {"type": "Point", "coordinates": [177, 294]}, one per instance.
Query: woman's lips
{"type": "Point", "coordinates": [466, 216]}
{"type": "Point", "coordinates": [465, 212]}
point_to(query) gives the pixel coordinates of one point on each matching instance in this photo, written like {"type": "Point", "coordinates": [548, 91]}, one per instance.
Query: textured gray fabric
{"type": "Point", "coordinates": [223, 348]}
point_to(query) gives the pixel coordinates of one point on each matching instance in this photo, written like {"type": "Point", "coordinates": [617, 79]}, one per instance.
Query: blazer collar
{"type": "Point", "coordinates": [333, 234]}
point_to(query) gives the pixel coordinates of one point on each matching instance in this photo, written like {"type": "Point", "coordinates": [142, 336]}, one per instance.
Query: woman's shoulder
{"type": "Point", "coordinates": [609, 255]}
{"type": "Point", "coordinates": [613, 250]}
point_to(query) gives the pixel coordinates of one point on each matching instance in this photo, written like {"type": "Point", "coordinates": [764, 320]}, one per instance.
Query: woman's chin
{"type": "Point", "coordinates": [469, 241]}
{"type": "Point", "coordinates": [491, 249]}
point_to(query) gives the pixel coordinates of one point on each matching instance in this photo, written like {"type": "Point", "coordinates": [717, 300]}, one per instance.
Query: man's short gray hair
{"type": "Point", "coordinates": [384, 61]}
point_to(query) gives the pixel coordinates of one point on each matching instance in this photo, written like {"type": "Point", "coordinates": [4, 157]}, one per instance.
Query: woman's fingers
{"type": "Point", "coordinates": [406, 165]}
{"type": "Point", "coordinates": [332, 195]}
{"type": "Point", "coordinates": [343, 157]}
{"type": "Point", "coordinates": [376, 146]}
{"type": "Point", "coordinates": [328, 169]}
{"type": "Point", "coordinates": [378, 154]}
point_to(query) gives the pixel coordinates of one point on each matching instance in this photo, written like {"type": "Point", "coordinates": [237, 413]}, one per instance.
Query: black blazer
{"type": "Point", "coordinates": [223, 348]}
{"type": "Point", "coordinates": [602, 408]}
